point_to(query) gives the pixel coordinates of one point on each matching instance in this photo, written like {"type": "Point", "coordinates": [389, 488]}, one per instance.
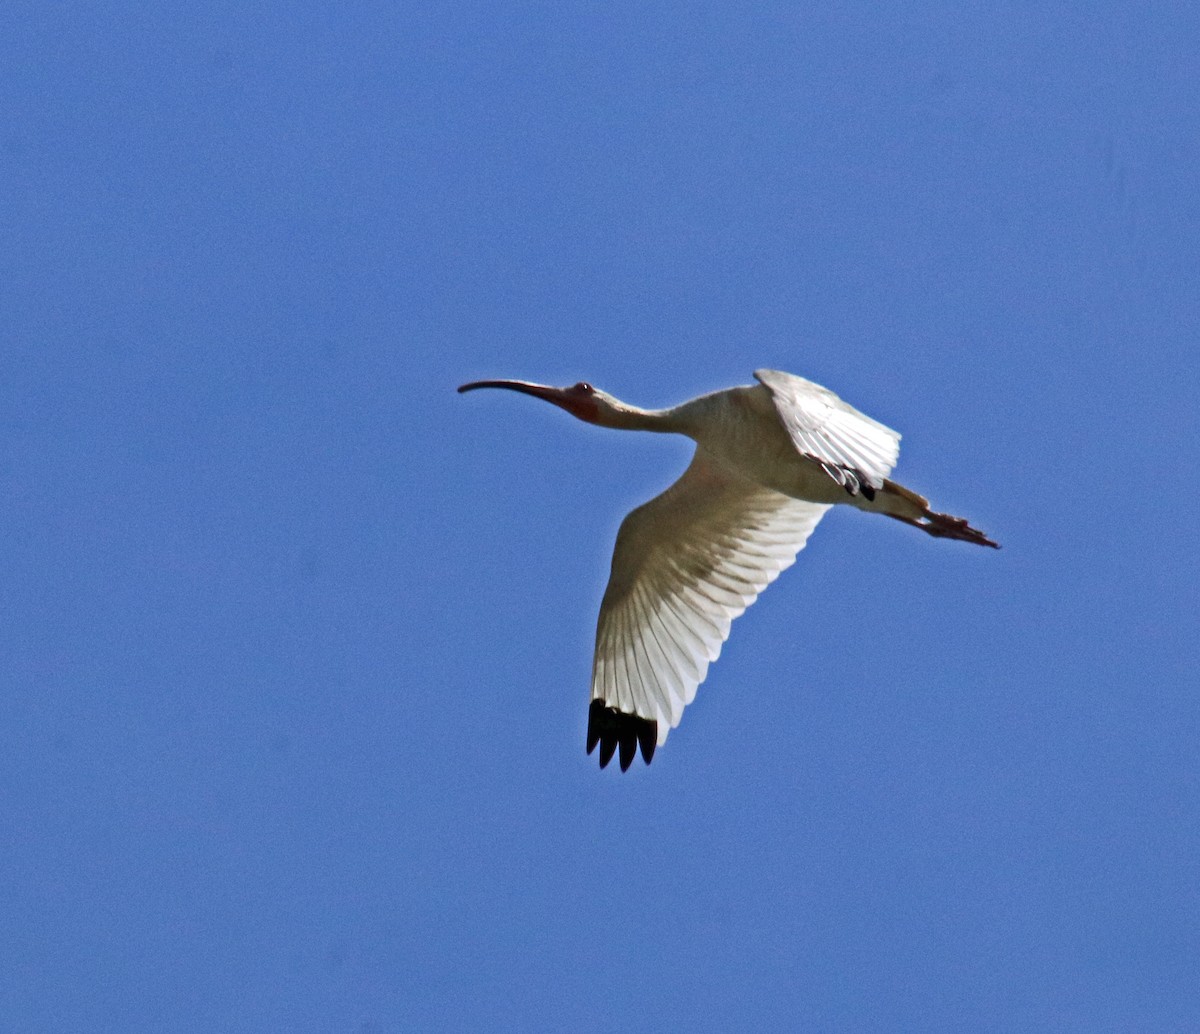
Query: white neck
{"type": "Point", "coordinates": [631, 418]}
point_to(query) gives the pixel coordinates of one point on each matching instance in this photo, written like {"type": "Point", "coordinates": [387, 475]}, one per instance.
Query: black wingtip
{"type": "Point", "coordinates": [613, 729]}
{"type": "Point", "coordinates": [647, 735]}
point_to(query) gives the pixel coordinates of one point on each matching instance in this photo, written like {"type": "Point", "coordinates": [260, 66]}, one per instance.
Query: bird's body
{"type": "Point", "coordinates": [740, 429]}
{"type": "Point", "coordinates": [770, 460]}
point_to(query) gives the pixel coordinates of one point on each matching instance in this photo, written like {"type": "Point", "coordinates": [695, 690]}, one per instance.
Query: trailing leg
{"type": "Point", "coordinates": [905, 505]}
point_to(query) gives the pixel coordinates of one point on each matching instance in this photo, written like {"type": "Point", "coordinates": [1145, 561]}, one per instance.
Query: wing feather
{"type": "Point", "coordinates": [686, 564]}
{"type": "Point", "coordinates": [831, 431]}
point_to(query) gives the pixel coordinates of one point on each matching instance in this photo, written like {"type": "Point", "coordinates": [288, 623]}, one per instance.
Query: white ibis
{"type": "Point", "coordinates": [770, 459]}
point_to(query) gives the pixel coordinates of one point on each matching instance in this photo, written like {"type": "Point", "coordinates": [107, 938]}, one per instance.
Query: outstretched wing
{"type": "Point", "coordinates": [856, 451]}
{"type": "Point", "coordinates": [685, 565]}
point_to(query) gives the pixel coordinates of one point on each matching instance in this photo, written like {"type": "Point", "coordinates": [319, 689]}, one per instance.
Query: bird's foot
{"type": "Point", "coordinates": [944, 526]}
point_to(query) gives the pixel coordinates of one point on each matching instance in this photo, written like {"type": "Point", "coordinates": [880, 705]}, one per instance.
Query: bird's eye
{"type": "Point", "coordinates": [584, 387]}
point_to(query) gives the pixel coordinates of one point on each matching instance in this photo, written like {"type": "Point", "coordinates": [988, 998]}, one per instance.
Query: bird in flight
{"type": "Point", "coordinates": [770, 459]}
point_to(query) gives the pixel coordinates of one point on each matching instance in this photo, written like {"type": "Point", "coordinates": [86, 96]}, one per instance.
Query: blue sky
{"type": "Point", "coordinates": [295, 641]}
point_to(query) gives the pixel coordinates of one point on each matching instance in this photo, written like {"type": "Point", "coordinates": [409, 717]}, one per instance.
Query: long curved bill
{"type": "Point", "coordinates": [540, 391]}
{"type": "Point", "coordinates": [579, 400]}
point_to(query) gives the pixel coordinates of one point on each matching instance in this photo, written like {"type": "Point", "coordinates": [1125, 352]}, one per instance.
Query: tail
{"type": "Point", "coordinates": [905, 505]}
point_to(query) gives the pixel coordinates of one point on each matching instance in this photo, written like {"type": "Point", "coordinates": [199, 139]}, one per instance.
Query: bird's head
{"type": "Point", "coordinates": [581, 400]}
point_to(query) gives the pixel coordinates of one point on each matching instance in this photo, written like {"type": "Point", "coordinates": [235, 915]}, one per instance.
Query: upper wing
{"type": "Point", "coordinates": [685, 565]}
{"type": "Point", "coordinates": [852, 447]}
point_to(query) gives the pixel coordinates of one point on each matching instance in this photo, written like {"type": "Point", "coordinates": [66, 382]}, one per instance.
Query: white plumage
{"type": "Point", "coordinates": [770, 460]}
{"type": "Point", "coordinates": [824, 427]}
{"type": "Point", "coordinates": [685, 565]}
